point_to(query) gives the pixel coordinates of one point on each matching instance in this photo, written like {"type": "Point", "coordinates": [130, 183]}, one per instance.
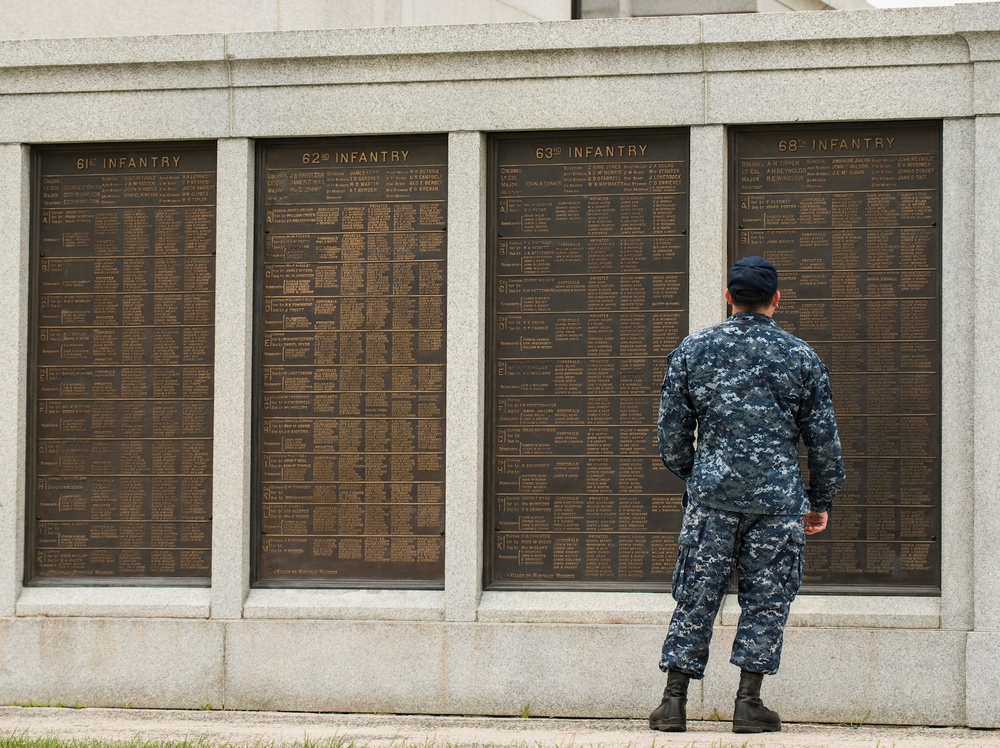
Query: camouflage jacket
{"type": "Point", "coordinates": [750, 390]}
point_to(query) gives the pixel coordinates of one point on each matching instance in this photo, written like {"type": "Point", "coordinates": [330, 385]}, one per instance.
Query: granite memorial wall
{"type": "Point", "coordinates": [332, 358]}
{"type": "Point", "coordinates": [587, 294]}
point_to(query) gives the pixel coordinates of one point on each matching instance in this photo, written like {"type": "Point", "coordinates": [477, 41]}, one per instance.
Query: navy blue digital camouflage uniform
{"type": "Point", "coordinates": [749, 390]}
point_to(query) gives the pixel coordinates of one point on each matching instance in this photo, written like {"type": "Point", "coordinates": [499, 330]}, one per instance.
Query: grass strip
{"type": "Point", "coordinates": [24, 741]}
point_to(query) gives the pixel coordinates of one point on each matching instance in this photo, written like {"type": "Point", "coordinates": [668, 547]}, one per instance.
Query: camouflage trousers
{"type": "Point", "coordinates": [766, 551]}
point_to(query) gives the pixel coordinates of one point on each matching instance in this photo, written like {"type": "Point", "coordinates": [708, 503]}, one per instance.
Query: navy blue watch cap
{"type": "Point", "coordinates": [752, 280]}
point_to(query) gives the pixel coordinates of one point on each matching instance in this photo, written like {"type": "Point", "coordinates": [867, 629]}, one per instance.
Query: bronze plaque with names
{"type": "Point", "coordinates": [587, 294]}
{"type": "Point", "coordinates": [123, 350]}
{"type": "Point", "coordinates": [850, 214]}
{"type": "Point", "coordinates": [350, 404]}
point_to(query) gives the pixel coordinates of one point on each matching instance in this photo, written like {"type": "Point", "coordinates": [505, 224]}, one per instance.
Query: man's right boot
{"type": "Point", "coordinates": [671, 714]}
{"type": "Point", "coordinates": [750, 714]}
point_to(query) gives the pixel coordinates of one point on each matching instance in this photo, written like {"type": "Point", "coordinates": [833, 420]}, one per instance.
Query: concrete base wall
{"type": "Point", "coordinates": [411, 667]}
{"type": "Point", "coordinates": [554, 654]}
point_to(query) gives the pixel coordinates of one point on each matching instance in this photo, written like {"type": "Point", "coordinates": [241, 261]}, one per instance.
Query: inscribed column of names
{"type": "Point", "coordinates": [123, 361]}
{"type": "Point", "coordinates": [850, 216]}
{"type": "Point", "coordinates": [352, 327]}
{"type": "Point", "coordinates": [588, 294]}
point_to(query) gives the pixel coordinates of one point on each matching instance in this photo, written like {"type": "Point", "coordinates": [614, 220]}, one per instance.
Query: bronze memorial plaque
{"type": "Point", "coordinates": [351, 376]}
{"type": "Point", "coordinates": [588, 293]}
{"type": "Point", "coordinates": [850, 215]}
{"type": "Point", "coordinates": [123, 349]}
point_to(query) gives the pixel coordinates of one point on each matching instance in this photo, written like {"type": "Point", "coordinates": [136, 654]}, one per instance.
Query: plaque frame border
{"type": "Point", "coordinates": [492, 221]}
{"type": "Point", "coordinates": [867, 589]}
{"type": "Point", "coordinates": [261, 147]}
{"type": "Point", "coordinates": [29, 579]}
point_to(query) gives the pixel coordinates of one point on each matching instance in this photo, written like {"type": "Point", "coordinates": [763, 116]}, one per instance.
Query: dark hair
{"type": "Point", "coordinates": [742, 304]}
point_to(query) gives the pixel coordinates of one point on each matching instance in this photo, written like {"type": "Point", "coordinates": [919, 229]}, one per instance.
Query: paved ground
{"type": "Point", "coordinates": [276, 728]}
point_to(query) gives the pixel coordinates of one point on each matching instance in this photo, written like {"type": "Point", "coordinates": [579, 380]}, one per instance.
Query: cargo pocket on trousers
{"type": "Point", "coordinates": [795, 551]}
{"type": "Point", "coordinates": [687, 543]}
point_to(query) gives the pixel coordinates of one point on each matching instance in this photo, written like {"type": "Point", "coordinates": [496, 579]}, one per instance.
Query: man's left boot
{"type": "Point", "coordinates": [671, 714]}
{"type": "Point", "coordinates": [750, 714]}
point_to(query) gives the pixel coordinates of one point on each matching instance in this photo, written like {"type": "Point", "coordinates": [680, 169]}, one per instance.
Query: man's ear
{"type": "Point", "coordinates": [775, 299]}
{"type": "Point", "coordinates": [728, 296]}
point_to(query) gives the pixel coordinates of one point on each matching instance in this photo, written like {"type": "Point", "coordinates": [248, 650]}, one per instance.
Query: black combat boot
{"type": "Point", "coordinates": [750, 714]}
{"type": "Point", "coordinates": [671, 714]}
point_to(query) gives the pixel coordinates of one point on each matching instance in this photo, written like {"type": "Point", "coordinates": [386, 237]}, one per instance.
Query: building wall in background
{"type": "Point", "coordinates": [57, 19]}
{"type": "Point", "coordinates": [638, 8]}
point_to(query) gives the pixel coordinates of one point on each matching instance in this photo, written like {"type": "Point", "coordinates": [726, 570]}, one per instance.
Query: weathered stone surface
{"type": "Point", "coordinates": [463, 650]}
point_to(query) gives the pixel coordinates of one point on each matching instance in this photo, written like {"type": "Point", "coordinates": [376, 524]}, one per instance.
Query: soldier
{"type": "Point", "coordinates": [749, 390]}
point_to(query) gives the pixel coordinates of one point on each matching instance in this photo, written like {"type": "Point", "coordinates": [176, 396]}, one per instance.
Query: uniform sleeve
{"type": "Point", "coordinates": [677, 420]}
{"type": "Point", "coordinates": [819, 432]}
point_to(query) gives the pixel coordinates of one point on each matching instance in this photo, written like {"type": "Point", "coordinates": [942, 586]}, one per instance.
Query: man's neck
{"type": "Point", "coordinates": [767, 311]}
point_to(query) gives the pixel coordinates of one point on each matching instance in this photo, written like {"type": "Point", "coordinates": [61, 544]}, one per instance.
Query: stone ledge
{"type": "Point", "coordinates": [622, 48]}
{"type": "Point", "coordinates": [115, 602]}
{"type": "Point", "coordinates": [853, 611]}
{"type": "Point", "coordinates": [553, 35]}
{"type": "Point", "coordinates": [576, 607]}
{"type": "Point", "coordinates": [590, 35]}
{"type": "Point", "coordinates": [464, 66]}
{"type": "Point", "coordinates": [843, 24]}
{"type": "Point", "coordinates": [345, 604]}
{"type": "Point", "coordinates": [127, 50]}
{"type": "Point", "coordinates": [837, 54]}
{"type": "Point", "coordinates": [977, 17]}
